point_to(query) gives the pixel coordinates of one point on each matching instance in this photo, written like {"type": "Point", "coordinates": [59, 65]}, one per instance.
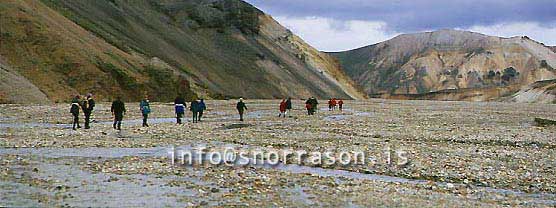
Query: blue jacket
{"type": "Point", "coordinates": [145, 107]}
{"type": "Point", "coordinates": [202, 106]}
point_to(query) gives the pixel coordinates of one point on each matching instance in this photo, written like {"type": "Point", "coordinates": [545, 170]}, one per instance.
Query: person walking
{"type": "Point", "coordinates": [329, 104]}
{"type": "Point", "coordinates": [75, 111]}
{"type": "Point", "coordinates": [241, 107]}
{"type": "Point", "coordinates": [202, 108]}
{"type": "Point", "coordinates": [180, 105]}
{"type": "Point", "coordinates": [145, 108]}
{"type": "Point", "coordinates": [289, 106]}
{"type": "Point", "coordinates": [340, 104]}
{"type": "Point", "coordinates": [88, 106]}
{"type": "Point", "coordinates": [334, 104]}
{"type": "Point", "coordinates": [309, 108]}
{"type": "Point", "coordinates": [194, 107]}
{"type": "Point", "coordinates": [314, 105]}
{"type": "Point", "coordinates": [283, 107]}
{"type": "Point", "coordinates": [118, 110]}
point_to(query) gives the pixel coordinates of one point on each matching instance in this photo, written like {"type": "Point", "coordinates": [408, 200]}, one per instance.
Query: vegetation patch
{"type": "Point", "coordinates": [544, 122]}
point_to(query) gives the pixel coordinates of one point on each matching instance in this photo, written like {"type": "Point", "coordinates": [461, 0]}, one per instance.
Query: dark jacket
{"type": "Point", "coordinates": [314, 102]}
{"type": "Point", "coordinates": [88, 105]}
{"type": "Point", "coordinates": [241, 106]}
{"type": "Point", "coordinates": [75, 106]}
{"type": "Point", "coordinates": [118, 107]}
{"type": "Point", "coordinates": [194, 106]}
{"type": "Point", "coordinates": [289, 104]}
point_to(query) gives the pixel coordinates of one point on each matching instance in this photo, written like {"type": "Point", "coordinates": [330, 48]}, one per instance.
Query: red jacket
{"type": "Point", "coordinates": [341, 102]}
{"type": "Point", "coordinates": [283, 106]}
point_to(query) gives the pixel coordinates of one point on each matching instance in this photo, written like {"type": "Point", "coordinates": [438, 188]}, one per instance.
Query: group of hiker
{"type": "Point", "coordinates": [87, 105]}
{"type": "Point", "coordinates": [312, 105]}
{"type": "Point", "coordinates": [285, 107]}
{"type": "Point", "coordinates": [197, 107]}
{"type": "Point", "coordinates": [333, 103]}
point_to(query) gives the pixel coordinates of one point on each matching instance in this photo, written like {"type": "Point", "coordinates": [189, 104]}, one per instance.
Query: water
{"type": "Point", "coordinates": [86, 152]}
{"type": "Point", "coordinates": [222, 116]}
{"type": "Point", "coordinates": [538, 198]}
{"type": "Point", "coordinates": [85, 189]}
{"type": "Point", "coordinates": [336, 117]}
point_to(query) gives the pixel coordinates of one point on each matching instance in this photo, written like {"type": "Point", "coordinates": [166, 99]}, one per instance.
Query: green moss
{"type": "Point", "coordinates": [121, 76]}
{"type": "Point", "coordinates": [475, 51]}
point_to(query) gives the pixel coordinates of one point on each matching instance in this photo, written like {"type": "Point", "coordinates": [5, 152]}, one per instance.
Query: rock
{"type": "Point", "coordinates": [234, 126]}
{"type": "Point", "coordinates": [544, 122]}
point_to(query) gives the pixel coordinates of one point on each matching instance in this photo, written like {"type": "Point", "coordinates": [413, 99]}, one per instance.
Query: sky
{"type": "Point", "coordinates": [337, 25]}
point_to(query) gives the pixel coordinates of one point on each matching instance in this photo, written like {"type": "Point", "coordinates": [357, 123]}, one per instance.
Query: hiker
{"type": "Point", "coordinates": [309, 107]}
{"type": "Point", "coordinates": [283, 107]}
{"type": "Point", "coordinates": [118, 111]}
{"type": "Point", "coordinates": [288, 105]}
{"type": "Point", "coordinates": [180, 105]}
{"type": "Point", "coordinates": [330, 105]}
{"type": "Point", "coordinates": [314, 104]}
{"type": "Point", "coordinates": [202, 108]}
{"type": "Point", "coordinates": [88, 106]}
{"type": "Point", "coordinates": [340, 104]}
{"type": "Point", "coordinates": [194, 107]}
{"type": "Point", "coordinates": [241, 108]}
{"type": "Point", "coordinates": [75, 111]}
{"type": "Point", "coordinates": [334, 104]}
{"type": "Point", "coordinates": [145, 108]}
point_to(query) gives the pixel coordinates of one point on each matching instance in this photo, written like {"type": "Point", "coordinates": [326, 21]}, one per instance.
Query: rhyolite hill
{"type": "Point", "coordinates": [451, 65]}
{"type": "Point", "coordinates": [51, 50]}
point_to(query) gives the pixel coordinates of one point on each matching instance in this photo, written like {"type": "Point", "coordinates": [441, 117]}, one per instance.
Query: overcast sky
{"type": "Point", "coordinates": [334, 25]}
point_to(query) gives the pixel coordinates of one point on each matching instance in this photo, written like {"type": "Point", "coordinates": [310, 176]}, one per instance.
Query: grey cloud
{"type": "Point", "coordinates": [410, 16]}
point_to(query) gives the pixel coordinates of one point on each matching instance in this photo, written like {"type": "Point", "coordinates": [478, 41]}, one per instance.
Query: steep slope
{"type": "Point", "coordinates": [323, 64]}
{"type": "Point", "coordinates": [209, 48]}
{"type": "Point", "coordinates": [538, 92]}
{"type": "Point", "coordinates": [62, 59]}
{"type": "Point", "coordinates": [447, 60]}
{"type": "Point", "coordinates": [16, 88]}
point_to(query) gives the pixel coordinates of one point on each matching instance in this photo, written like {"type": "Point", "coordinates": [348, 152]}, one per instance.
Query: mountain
{"type": "Point", "coordinates": [198, 48]}
{"type": "Point", "coordinates": [448, 61]}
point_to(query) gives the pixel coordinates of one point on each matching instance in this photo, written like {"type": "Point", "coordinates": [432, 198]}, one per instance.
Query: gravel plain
{"type": "Point", "coordinates": [458, 154]}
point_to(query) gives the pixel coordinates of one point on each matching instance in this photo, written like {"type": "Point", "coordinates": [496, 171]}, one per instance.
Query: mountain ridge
{"type": "Point", "coordinates": [200, 48]}
{"type": "Point", "coordinates": [420, 63]}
